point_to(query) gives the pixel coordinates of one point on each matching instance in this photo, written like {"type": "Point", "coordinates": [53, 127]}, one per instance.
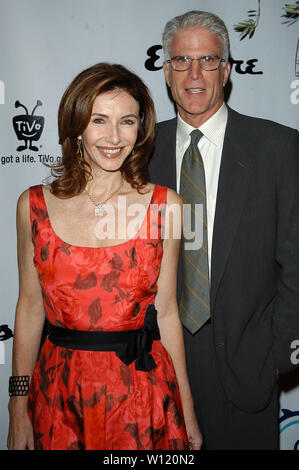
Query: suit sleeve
{"type": "Point", "coordinates": [286, 313]}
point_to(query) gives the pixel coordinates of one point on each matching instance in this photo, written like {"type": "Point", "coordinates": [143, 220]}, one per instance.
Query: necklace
{"type": "Point", "coordinates": [99, 206]}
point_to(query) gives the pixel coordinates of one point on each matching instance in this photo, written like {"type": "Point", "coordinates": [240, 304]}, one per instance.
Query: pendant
{"type": "Point", "coordinates": [99, 210]}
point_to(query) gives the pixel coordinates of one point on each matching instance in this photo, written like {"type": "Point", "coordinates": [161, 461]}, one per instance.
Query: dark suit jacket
{"type": "Point", "coordinates": [255, 252]}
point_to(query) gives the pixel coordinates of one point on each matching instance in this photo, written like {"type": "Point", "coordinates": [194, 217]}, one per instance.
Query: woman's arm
{"type": "Point", "coordinates": [29, 322]}
{"type": "Point", "coordinates": [168, 318]}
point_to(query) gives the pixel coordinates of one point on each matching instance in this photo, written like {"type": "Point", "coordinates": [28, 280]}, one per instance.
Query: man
{"type": "Point", "coordinates": [240, 324]}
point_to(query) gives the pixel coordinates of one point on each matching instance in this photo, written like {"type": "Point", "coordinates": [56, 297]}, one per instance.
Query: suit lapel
{"type": "Point", "coordinates": [170, 154]}
{"type": "Point", "coordinates": [232, 190]}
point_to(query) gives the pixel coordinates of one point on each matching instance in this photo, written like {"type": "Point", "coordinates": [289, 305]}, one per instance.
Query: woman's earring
{"type": "Point", "coordinates": [79, 151]}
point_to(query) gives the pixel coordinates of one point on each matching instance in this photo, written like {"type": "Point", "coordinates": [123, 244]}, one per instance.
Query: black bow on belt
{"type": "Point", "coordinates": [139, 347]}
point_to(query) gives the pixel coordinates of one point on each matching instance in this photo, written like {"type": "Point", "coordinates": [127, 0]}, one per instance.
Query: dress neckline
{"type": "Point", "coordinates": [98, 247]}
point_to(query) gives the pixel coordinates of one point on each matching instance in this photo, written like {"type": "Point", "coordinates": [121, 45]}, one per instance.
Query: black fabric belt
{"type": "Point", "coordinates": [129, 345]}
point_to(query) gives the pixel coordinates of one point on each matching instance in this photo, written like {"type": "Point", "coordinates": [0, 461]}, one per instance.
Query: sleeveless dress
{"type": "Point", "coordinates": [91, 399]}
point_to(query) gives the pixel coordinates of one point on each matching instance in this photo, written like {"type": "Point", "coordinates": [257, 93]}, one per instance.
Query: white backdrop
{"type": "Point", "coordinates": [44, 44]}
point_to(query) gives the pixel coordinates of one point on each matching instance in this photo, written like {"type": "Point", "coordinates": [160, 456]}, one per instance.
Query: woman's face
{"type": "Point", "coordinates": [112, 130]}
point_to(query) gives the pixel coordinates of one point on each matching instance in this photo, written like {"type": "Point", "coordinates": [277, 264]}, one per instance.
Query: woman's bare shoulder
{"type": "Point", "coordinates": [23, 202]}
{"type": "Point", "coordinates": [173, 197]}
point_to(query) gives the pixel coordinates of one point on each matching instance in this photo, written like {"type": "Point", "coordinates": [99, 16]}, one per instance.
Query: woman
{"type": "Point", "coordinates": [110, 375]}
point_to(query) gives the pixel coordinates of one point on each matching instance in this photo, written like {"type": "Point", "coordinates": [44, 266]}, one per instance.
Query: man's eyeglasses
{"type": "Point", "coordinates": [206, 62]}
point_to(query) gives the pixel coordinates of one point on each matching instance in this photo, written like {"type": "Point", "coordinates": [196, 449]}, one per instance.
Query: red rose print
{"type": "Point", "coordinates": [40, 213]}
{"type": "Point", "coordinates": [110, 280]}
{"type": "Point", "coordinates": [94, 312]}
{"type": "Point", "coordinates": [44, 252]}
{"type": "Point", "coordinates": [88, 283]}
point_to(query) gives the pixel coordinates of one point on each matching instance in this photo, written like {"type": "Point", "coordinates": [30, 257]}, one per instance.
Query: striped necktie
{"type": "Point", "coordinates": [195, 299]}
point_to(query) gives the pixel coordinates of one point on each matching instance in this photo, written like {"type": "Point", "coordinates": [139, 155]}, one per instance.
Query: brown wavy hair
{"type": "Point", "coordinates": [74, 114]}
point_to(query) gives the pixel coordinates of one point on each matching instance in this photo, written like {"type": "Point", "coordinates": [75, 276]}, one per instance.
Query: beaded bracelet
{"type": "Point", "coordinates": [18, 385]}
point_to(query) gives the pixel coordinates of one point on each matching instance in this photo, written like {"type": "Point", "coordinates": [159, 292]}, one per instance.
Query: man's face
{"type": "Point", "coordinates": [197, 93]}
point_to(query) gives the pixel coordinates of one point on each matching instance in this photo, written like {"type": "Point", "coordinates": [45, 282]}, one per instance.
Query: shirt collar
{"type": "Point", "coordinates": [213, 129]}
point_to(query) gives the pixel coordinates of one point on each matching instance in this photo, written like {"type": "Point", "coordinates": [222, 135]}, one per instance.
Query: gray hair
{"type": "Point", "coordinates": [196, 19]}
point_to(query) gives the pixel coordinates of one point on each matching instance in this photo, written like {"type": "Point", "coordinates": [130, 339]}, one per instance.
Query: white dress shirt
{"type": "Point", "coordinates": [210, 147]}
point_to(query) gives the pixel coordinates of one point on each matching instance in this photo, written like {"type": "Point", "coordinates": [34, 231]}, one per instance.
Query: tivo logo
{"type": "Point", "coordinates": [28, 127]}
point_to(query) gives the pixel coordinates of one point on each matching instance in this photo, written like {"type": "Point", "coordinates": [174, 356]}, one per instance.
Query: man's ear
{"type": "Point", "coordinates": [166, 73]}
{"type": "Point", "coordinates": [226, 73]}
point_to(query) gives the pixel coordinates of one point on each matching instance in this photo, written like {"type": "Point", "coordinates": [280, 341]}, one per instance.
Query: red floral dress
{"type": "Point", "coordinates": [91, 399]}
